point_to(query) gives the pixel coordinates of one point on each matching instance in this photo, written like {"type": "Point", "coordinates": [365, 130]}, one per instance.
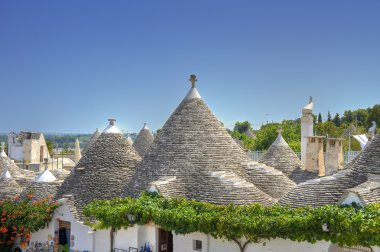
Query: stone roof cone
{"type": "Point", "coordinates": [44, 186]}
{"type": "Point", "coordinates": [143, 140]}
{"type": "Point", "coordinates": [194, 156]}
{"type": "Point", "coordinates": [129, 139]}
{"type": "Point", "coordinates": [9, 188]}
{"type": "Point", "coordinates": [92, 140]}
{"type": "Point", "coordinates": [282, 157]}
{"type": "Point", "coordinates": [102, 172]}
{"type": "Point", "coordinates": [77, 153]}
{"type": "Point", "coordinates": [328, 190]}
{"type": "Point", "coordinates": [7, 164]}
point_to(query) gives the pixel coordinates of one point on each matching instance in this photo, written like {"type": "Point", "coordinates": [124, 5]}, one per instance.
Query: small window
{"type": "Point", "coordinates": [312, 140]}
{"type": "Point", "coordinates": [197, 245]}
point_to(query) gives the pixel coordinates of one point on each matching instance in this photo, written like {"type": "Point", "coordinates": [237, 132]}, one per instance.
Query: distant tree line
{"type": "Point", "coordinates": [350, 123]}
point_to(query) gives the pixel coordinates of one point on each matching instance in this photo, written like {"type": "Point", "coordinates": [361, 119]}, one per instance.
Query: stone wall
{"type": "Point", "coordinates": [334, 156]}
{"type": "Point", "coordinates": [314, 155]}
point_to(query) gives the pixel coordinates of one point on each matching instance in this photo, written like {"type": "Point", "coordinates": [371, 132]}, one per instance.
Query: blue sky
{"type": "Point", "coordinates": [66, 66]}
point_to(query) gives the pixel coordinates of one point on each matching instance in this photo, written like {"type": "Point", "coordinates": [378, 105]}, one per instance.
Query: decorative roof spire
{"type": "Point", "coordinates": [145, 126]}
{"type": "Point", "coordinates": [193, 79]}
{"type": "Point", "coordinates": [193, 93]}
{"type": "Point", "coordinates": [46, 176]}
{"type": "Point", "coordinates": [2, 146]}
{"type": "Point", "coordinates": [112, 121]}
{"type": "Point", "coordinates": [310, 99]}
{"type": "Point", "coordinates": [280, 130]}
{"type": "Point", "coordinates": [111, 128]}
{"type": "Point", "coordinates": [46, 163]}
{"type": "Point", "coordinates": [6, 174]}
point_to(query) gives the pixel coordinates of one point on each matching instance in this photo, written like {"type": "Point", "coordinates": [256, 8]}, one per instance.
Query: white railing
{"type": "Point", "coordinates": [257, 155]}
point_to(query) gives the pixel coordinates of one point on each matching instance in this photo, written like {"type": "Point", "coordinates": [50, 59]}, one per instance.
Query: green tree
{"type": "Point", "coordinates": [242, 127]}
{"type": "Point", "coordinates": [319, 118]}
{"type": "Point", "coordinates": [336, 120]}
{"type": "Point", "coordinates": [329, 116]}
{"type": "Point", "coordinates": [50, 146]}
{"type": "Point", "coordinates": [266, 136]}
{"type": "Point", "coordinates": [347, 117]}
{"type": "Point", "coordinates": [374, 115]}
{"type": "Point", "coordinates": [361, 117]}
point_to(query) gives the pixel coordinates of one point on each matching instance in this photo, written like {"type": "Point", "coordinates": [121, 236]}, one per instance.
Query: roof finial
{"type": "Point", "coordinates": [193, 79]}
{"type": "Point", "coordinates": [280, 130]}
{"type": "Point", "coordinates": [310, 99]}
{"type": "Point", "coordinates": [112, 121]}
{"type": "Point", "coordinates": [46, 163]}
{"type": "Point", "coordinates": [2, 146]}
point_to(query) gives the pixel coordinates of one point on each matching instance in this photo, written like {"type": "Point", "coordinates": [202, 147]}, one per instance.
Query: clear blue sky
{"type": "Point", "coordinates": [66, 66]}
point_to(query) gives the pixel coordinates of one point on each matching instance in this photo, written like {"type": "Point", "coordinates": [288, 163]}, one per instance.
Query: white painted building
{"type": "Point", "coordinates": [307, 128]}
{"type": "Point", "coordinates": [27, 147]}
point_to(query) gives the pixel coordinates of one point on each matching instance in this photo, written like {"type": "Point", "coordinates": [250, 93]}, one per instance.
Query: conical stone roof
{"type": "Point", "coordinates": [15, 171]}
{"type": "Point", "coordinates": [143, 141]}
{"type": "Point", "coordinates": [282, 157]}
{"type": "Point", "coordinates": [102, 172]}
{"type": "Point", "coordinates": [41, 190]}
{"type": "Point", "coordinates": [129, 139]}
{"type": "Point", "coordinates": [91, 141]}
{"type": "Point", "coordinates": [45, 186]}
{"type": "Point", "coordinates": [196, 150]}
{"type": "Point", "coordinates": [328, 190]}
{"type": "Point", "coordinates": [9, 188]}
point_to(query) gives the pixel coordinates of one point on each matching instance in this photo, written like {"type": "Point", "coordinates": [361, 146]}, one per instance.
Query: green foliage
{"type": "Point", "coordinates": [374, 115]}
{"type": "Point", "coordinates": [242, 127]}
{"type": "Point", "coordinates": [319, 118]}
{"type": "Point", "coordinates": [336, 120]}
{"type": "Point", "coordinates": [329, 119]}
{"type": "Point", "coordinates": [348, 225]}
{"type": "Point", "coordinates": [50, 146]}
{"type": "Point", "coordinates": [248, 143]}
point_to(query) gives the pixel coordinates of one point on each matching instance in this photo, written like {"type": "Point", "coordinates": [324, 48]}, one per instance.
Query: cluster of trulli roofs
{"type": "Point", "coordinates": [192, 156]}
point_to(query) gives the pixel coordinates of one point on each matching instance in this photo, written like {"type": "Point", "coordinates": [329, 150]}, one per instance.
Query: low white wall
{"type": "Point", "coordinates": [183, 243]}
{"type": "Point", "coordinates": [126, 238]}
{"type": "Point", "coordinates": [148, 234]}
{"type": "Point", "coordinates": [102, 240]}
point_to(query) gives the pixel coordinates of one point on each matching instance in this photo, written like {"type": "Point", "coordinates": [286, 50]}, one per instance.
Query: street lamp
{"type": "Point", "coordinates": [131, 218]}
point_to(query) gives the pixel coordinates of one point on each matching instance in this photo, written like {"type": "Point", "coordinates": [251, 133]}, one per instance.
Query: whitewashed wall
{"type": "Point", "coordinates": [83, 239]}
{"type": "Point", "coordinates": [125, 238]}
{"type": "Point", "coordinates": [182, 243]}
{"type": "Point", "coordinates": [102, 240]}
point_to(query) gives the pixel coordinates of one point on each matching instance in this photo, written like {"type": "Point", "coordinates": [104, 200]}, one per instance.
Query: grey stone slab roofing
{"type": "Point", "coordinates": [15, 171]}
{"type": "Point", "coordinates": [328, 190]}
{"type": "Point", "coordinates": [368, 192]}
{"type": "Point", "coordinates": [194, 147]}
{"type": "Point", "coordinates": [9, 189]}
{"type": "Point", "coordinates": [60, 174]}
{"type": "Point", "coordinates": [283, 158]}
{"type": "Point", "coordinates": [41, 191]}
{"type": "Point", "coordinates": [230, 188]}
{"type": "Point", "coordinates": [101, 173]}
{"type": "Point", "coordinates": [91, 141]}
{"type": "Point", "coordinates": [23, 135]}
{"type": "Point", "coordinates": [143, 141]}
{"type": "Point", "coordinates": [268, 179]}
